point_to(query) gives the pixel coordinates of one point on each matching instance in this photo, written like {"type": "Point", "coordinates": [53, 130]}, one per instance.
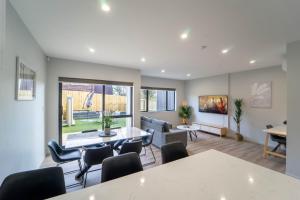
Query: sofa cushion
{"type": "Point", "coordinates": [147, 119]}
{"type": "Point", "coordinates": [167, 127]}
{"type": "Point", "coordinates": [163, 125]}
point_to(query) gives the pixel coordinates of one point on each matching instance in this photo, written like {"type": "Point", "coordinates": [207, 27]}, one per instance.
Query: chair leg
{"type": "Point", "coordinates": [85, 177]}
{"type": "Point", "coordinates": [275, 149]}
{"type": "Point", "coordinates": [152, 162]}
{"type": "Point", "coordinates": [152, 153]}
{"type": "Point", "coordinates": [79, 164]}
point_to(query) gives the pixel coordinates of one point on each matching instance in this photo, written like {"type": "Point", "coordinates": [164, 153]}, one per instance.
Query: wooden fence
{"type": "Point", "coordinates": [112, 102]}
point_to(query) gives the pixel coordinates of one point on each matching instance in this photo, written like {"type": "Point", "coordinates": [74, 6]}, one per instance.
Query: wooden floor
{"type": "Point", "coordinates": [248, 151]}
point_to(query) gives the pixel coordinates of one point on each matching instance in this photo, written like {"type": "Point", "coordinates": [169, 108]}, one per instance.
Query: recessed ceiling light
{"type": "Point", "coordinates": [188, 75]}
{"type": "Point", "coordinates": [92, 50]}
{"type": "Point", "coordinates": [225, 51]}
{"type": "Point", "coordinates": [105, 7]}
{"type": "Point", "coordinates": [185, 34]}
{"type": "Point", "coordinates": [251, 179]}
{"type": "Point", "coordinates": [143, 59]}
{"type": "Point", "coordinates": [163, 71]}
{"type": "Point", "coordinates": [252, 61]}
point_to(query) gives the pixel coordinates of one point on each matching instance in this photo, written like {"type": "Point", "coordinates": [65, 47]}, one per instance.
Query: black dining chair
{"type": "Point", "coordinates": [121, 165]}
{"type": "Point", "coordinates": [276, 138]}
{"type": "Point", "coordinates": [61, 156]}
{"type": "Point", "coordinates": [131, 146]}
{"type": "Point", "coordinates": [33, 185]}
{"type": "Point", "coordinates": [147, 142]}
{"type": "Point", "coordinates": [173, 151]}
{"type": "Point", "coordinates": [94, 156]}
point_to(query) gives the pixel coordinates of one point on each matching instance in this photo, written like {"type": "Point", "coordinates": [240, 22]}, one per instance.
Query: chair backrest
{"type": "Point", "coordinates": [95, 155]}
{"type": "Point", "coordinates": [269, 126]}
{"type": "Point", "coordinates": [121, 165]}
{"type": "Point", "coordinates": [150, 138]}
{"type": "Point", "coordinates": [55, 150]}
{"type": "Point", "coordinates": [132, 146]}
{"type": "Point", "coordinates": [173, 151]}
{"type": "Point", "coordinates": [34, 185]}
{"type": "Point", "coordinates": [273, 137]}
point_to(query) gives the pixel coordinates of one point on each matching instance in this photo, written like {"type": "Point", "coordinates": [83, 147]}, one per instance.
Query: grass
{"type": "Point", "coordinates": [90, 124]}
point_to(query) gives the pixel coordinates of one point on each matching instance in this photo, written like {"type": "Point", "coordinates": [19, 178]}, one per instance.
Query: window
{"type": "Point", "coordinates": [157, 99]}
{"type": "Point", "coordinates": [143, 101]}
{"type": "Point", "coordinates": [83, 103]}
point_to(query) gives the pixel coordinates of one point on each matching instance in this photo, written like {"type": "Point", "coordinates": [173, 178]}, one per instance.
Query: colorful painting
{"type": "Point", "coordinates": [25, 82]}
{"type": "Point", "coordinates": [213, 104]}
{"type": "Point", "coordinates": [261, 95]}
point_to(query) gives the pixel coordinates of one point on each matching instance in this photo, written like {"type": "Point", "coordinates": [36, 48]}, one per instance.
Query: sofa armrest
{"type": "Point", "coordinates": [176, 135]}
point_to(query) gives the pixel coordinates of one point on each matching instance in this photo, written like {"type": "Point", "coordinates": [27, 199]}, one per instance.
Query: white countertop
{"type": "Point", "coordinates": [211, 175]}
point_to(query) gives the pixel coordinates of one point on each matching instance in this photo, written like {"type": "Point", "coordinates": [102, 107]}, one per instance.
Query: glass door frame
{"type": "Point", "coordinates": [92, 81]}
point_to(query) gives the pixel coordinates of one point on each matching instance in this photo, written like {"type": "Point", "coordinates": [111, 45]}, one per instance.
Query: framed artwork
{"type": "Point", "coordinates": [25, 82]}
{"type": "Point", "coordinates": [261, 95]}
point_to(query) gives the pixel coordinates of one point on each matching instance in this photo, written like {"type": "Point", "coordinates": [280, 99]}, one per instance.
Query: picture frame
{"type": "Point", "coordinates": [25, 89]}
{"type": "Point", "coordinates": [261, 95]}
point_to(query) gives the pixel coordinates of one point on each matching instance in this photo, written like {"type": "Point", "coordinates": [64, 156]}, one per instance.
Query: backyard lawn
{"type": "Point", "coordinates": [90, 124]}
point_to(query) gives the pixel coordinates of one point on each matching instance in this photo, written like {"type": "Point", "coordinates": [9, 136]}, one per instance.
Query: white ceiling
{"type": "Point", "coordinates": [253, 29]}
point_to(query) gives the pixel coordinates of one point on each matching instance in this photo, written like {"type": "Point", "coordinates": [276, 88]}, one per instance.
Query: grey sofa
{"type": "Point", "coordinates": [163, 132]}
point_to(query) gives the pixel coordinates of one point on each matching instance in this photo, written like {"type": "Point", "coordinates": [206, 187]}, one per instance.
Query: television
{"type": "Point", "coordinates": [214, 104]}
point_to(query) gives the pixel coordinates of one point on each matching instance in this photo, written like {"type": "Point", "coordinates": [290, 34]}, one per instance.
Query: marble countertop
{"type": "Point", "coordinates": [210, 175]}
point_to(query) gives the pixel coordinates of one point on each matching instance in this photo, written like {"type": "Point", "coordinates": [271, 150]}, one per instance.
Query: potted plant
{"type": "Point", "coordinates": [107, 122]}
{"type": "Point", "coordinates": [238, 117]}
{"type": "Point", "coordinates": [185, 112]}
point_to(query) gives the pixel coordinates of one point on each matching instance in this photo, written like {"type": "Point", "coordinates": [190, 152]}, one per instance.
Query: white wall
{"type": "Point", "coordinates": [76, 69]}
{"type": "Point", "coordinates": [170, 116]}
{"type": "Point", "coordinates": [22, 132]}
{"type": "Point", "coordinates": [238, 85]}
{"type": "Point", "coordinates": [293, 82]}
{"type": "Point", "coordinates": [2, 31]}
{"type": "Point", "coordinates": [255, 119]}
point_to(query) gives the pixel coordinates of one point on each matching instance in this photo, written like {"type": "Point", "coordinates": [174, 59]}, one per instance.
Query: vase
{"type": "Point", "coordinates": [107, 131]}
{"type": "Point", "coordinates": [238, 137]}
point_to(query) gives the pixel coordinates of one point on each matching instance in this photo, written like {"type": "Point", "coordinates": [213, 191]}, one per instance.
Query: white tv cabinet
{"type": "Point", "coordinates": [212, 128]}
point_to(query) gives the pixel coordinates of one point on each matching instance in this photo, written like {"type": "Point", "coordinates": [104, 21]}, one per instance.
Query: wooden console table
{"type": "Point", "coordinates": [212, 128]}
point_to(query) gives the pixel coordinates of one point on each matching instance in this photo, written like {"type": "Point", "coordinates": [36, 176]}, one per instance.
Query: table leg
{"type": "Point", "coordinates": [266, 145]}
{"type": "Point", "coordinates": [190, 133]}
{"type": "Point", "coordinates": [195, 134]}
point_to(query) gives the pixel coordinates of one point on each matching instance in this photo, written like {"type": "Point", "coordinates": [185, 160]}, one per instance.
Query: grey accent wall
{"type": "Point", "coordinates": [293, 82]}
{"type": "Point", "coordinates": [216, 85]}
{"type": "Point", "coordinates": [76, 69]}
{"type": "Point", "coordinates": [238, 85]}
{"type": "Point", "coordinates": [22, 123]}
{"type": "Point", "coordinates": [170, 116]}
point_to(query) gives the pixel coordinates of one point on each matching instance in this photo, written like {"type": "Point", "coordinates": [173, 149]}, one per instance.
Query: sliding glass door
{"type": "Point", "coordinates": [84, 103]}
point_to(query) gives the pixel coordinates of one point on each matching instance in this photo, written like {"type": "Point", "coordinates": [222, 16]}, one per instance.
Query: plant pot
{"type": "Point", "coordinates": [238, 137]}
{"type": "Point", "coordinates": [107, 131]}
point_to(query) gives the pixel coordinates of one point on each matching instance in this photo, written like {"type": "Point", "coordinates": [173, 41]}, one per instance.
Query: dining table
{"type": "Point", "coordinates": [280, 130]}
{"type": "Point", "coordinates": [210, 175]}
{"type": "Point", "coordinates": [91, 138]}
